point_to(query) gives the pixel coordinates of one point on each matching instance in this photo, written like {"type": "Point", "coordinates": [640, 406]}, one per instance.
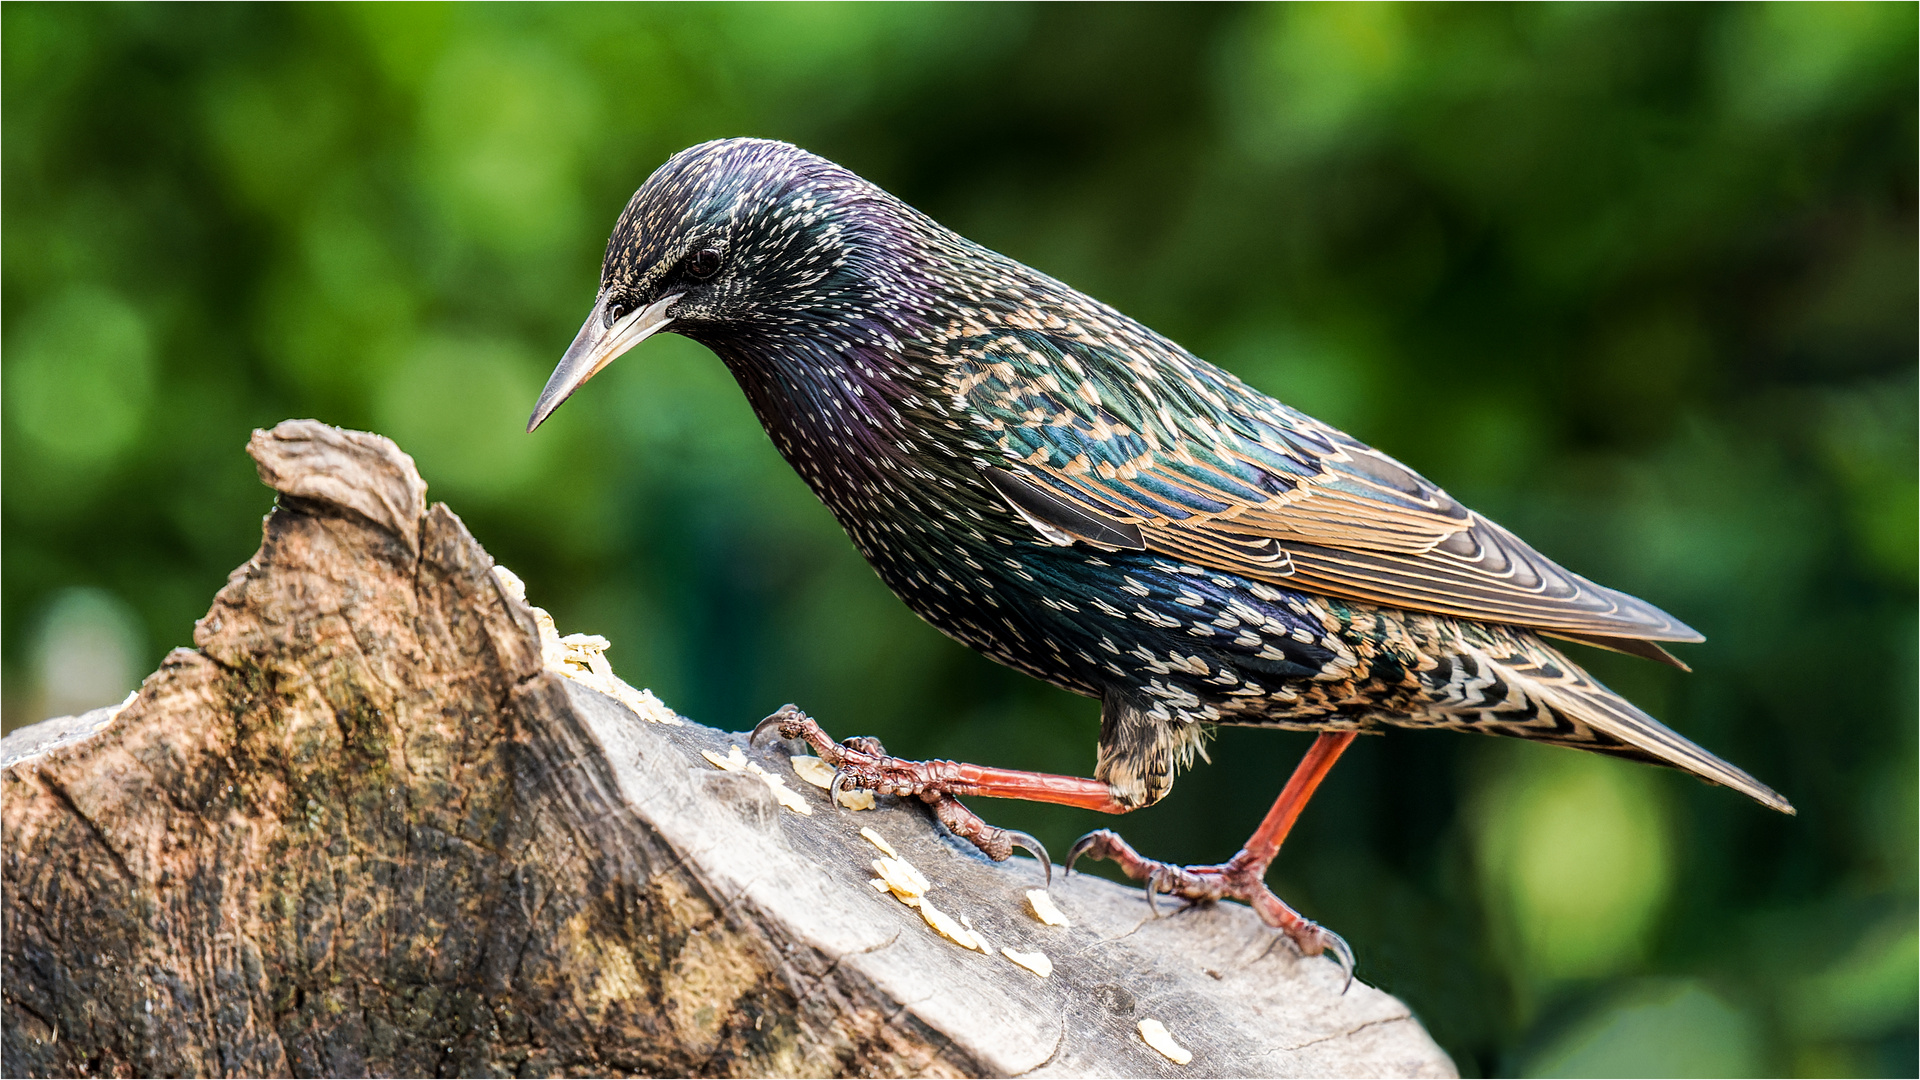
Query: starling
{"type": "Point", "coordinates": [1054, 484]}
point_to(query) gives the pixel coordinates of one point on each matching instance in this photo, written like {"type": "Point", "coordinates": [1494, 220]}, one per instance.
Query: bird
{"type": "Point", "coordinates": [1081, 499]}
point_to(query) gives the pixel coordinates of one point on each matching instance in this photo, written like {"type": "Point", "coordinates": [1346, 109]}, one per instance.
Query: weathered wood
{"type": "Point", "coordinates": [362, 829]}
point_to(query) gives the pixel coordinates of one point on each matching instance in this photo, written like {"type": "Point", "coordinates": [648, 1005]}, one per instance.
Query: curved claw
{"type": "Point", "coordinates": [771, 723]}
{"type": "Point", "coordinates": [1080, 847]}
{"type": "Point", "coordinates": [1342, 954]}
{"type": "Point", "coordinates": [1033, 847]}
{"type": "Point", "coordinates": [833, 788]}
{"type": "Point", "coordinates": [1153, 890]}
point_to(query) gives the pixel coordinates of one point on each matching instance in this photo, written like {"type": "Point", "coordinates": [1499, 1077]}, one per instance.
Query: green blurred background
{"type": "Point", "coordinates": [1637, 281]}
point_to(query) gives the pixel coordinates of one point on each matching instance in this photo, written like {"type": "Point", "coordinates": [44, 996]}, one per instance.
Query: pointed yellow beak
{"type": "Point", "coordinates": [596, 346]}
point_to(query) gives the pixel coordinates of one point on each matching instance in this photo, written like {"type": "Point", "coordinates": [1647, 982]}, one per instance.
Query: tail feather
{"type": "Point", "coordinates": [1613, 716]}
{"type": "Point", "coordinates": [1533, 692]}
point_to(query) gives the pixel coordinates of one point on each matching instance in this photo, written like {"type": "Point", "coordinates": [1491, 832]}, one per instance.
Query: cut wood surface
{"type": "Point", "coordinates": [369, 825]}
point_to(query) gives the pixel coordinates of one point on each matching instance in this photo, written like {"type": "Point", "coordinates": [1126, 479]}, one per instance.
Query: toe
{"type": "Point", "coordinates": [865, 744]}
{"type": "Point", "coordinates": [1312, 939]}
{"type": "Point", "coordinates": [1098, 844]}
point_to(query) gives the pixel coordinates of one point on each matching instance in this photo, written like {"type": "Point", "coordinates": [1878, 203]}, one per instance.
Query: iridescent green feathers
{"type": "Point", "coordinates": [1209, 470]}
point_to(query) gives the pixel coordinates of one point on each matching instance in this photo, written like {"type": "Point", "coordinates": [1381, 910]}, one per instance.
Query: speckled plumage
{"type": "Point", "coordinates": [1079, 498]}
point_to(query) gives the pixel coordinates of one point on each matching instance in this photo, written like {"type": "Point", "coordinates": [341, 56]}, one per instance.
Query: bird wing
{"type": "Point", "coordinates": [1161, 447]}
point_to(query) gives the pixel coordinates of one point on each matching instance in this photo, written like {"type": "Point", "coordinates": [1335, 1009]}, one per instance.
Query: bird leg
{"type": "Point", "coordinates": [1243, 876]}
{"type": "Point", "coordinates": [862, 763]}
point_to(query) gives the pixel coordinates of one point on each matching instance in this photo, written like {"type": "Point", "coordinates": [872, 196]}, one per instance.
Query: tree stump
{"type": "Point", "coordinates": [365, 828]}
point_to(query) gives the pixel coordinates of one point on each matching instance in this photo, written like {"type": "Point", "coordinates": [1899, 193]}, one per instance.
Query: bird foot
{"type": "Point", "coordinates": [862, 763]}
{"type": "Point", "coordinates": [1240, 878]}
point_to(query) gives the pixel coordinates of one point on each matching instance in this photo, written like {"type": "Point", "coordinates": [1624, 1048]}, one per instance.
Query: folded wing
{"type": "Point", "coordinates": [1186, 460]}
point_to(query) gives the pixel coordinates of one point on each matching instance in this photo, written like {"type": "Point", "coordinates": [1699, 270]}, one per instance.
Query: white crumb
{"type": "Point", "coordinates": [510, 583]}
{"type": "Point", "coordinates": [1042, 907]}
{"type": "Point", "coordinates": [735, 761]}
{"type": "Point", "coordinates": [946, 927]}
{"type": "Point", "coordinates": [812, 770]}
{"type": "Point", "coordinates": [1035, 962]}
{"type": "Point", "coordinates": [1156, 1035]}
{"type": "Point", "coordinates": [903, 879]}
{"type": "Point", "coordinates": [583, 658]}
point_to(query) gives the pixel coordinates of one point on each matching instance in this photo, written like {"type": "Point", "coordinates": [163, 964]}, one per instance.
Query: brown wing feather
{"type": "Point", "coordinates": [1201, 467]}
{"type": "Point", "coordinates": [1376, 531]}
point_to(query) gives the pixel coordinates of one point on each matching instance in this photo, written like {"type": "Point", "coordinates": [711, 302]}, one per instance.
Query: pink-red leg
{"type": "Point", "coordinates": [1242, 877]}
{"type": "Point", "coordinates": [862, 763]}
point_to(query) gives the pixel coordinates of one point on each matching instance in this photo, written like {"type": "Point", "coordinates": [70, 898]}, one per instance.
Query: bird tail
{"type": "Point", "coordinates": [1527, 689]}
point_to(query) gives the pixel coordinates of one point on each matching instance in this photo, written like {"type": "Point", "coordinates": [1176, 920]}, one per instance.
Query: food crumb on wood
{"type": "Point", "coordinates": [788, 797]}
{"type": "Point", "coordinates": [1156, 1035]}
{"type": "Point", "coordinates": [903, 879]}
{"type": "Point", "coordinates": [1042, 907]}
{"type": "Point", "coordinates": [735, 761]}
{"type": "Point", "coordinates": [1035, 962]}
{"type": "Point", "coordinates": [510, 583]}
{"type": "Point", "coordinates": [880, 842]}
{"type": "Point", "coordinates": [985, 945]}
{"type": "Point", "coordinates": [909, 886]}
{"type": "Point", "coordinates": [945, 925]}
{"type": "Point", "coordinates": [812, 770]}
{"type": "Point", "coordinates": [583, 658]}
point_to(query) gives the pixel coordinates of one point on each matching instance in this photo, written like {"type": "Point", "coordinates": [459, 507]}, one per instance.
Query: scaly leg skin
{"type": "Point", "coordinates": [1243, 876]}
{"type": "Point", "coordinates": [863, 763]}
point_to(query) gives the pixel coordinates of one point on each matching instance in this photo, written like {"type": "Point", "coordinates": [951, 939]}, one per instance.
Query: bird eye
{"type": "Point", "coordinates": [703, 263]}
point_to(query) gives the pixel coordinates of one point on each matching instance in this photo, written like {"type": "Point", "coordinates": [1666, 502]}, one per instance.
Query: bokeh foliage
{"type": "Point", "coordinates": [1636, 281]}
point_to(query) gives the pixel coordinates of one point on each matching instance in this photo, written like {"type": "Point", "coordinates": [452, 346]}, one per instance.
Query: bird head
{"type": "Point", "coordinates": [727, 238]}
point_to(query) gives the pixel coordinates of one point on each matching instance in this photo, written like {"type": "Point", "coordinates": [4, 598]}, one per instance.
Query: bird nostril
{"type": "Point", "coordinates": [616, 313]}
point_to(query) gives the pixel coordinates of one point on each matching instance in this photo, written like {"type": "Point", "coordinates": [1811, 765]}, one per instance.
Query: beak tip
{"type": "Point", "coordinates": [594, 348]}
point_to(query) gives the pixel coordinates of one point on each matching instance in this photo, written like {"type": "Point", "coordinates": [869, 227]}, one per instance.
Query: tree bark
{"type": "Point", "coordinates": [365, 827]}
